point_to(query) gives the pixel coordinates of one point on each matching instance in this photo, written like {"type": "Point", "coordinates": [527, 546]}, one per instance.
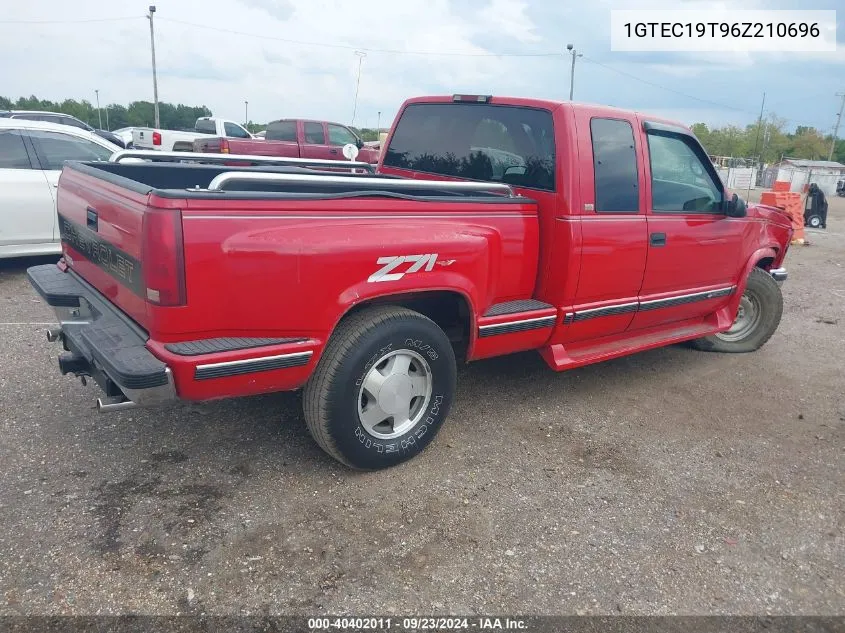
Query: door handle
{"type": "Point", "coordinates": [332, 151]}
{"type": "Point", "coordinates": [657, 239]}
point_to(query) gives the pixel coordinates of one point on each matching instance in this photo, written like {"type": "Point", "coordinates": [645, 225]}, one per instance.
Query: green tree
{"type": "Point", "coordinates": [702, 132]}
{"type": "Point", "coordinates": [808, 143]}
{"type": "Point", "coordinates": [839, 151]}
{"type": "Point", "coordinates": [137, 113]}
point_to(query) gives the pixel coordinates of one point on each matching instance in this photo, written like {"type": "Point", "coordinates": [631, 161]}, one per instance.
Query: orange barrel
{"type": "Point", "coordinates": [793, 204]}
{"type": "Point", "coordinates": [769, 198]}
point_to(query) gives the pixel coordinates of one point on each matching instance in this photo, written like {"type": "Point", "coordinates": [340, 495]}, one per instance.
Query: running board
{"type": "Point", "coordinates": [561, 358]}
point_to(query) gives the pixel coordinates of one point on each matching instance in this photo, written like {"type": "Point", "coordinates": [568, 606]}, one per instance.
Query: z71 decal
{"type": "Point", "coordinates": [397, 266]}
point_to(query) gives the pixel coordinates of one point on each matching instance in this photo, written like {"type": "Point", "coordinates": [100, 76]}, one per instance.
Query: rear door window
{"type": "Point", "coordinates": [281, 131]}
{"type": "Point", "coordinates": [509, 144]}
{"type": "Point", "coordinates": [13, 154]}
{"type": "Point", "coordinates": [54, 148]}
{"type": "Point", "coordinates": [615, 165]}
{"type": "Point", "coordinates": [314, 134]}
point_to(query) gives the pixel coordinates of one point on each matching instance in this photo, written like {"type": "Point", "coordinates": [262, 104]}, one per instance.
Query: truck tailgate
{"type": "Point", "coordinates": [142, 138]}
{"type": "Point", "coordinates": [101, 226]}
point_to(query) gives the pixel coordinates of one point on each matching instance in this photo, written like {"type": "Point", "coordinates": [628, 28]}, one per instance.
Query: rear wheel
{"type": "Point", "coordinates": [382, 389]}
{"type": "Point", "coordinates": [757, 318]}
{"type": "Point", "coordinates": [814, 221]}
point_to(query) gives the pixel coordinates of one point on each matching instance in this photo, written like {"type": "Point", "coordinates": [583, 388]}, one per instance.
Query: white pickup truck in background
{"type": "Point", "coordinates": [183, 141]}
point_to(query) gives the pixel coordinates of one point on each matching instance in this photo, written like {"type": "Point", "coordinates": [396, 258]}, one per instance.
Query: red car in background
{"type": "Point", "coordinates": [294, 138]}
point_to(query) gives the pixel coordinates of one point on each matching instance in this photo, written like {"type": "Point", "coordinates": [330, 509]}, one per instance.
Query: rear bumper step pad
{"type": "Point", "coordinates": [230, 344]}
{"type": "Point", "coordinates": [56, 287]}
{"type": "Point", "coordinates": [101, 334]}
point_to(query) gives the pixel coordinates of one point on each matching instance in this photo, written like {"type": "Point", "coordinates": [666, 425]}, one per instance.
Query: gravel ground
{"type": "Point", "coordinates": [672, 481]}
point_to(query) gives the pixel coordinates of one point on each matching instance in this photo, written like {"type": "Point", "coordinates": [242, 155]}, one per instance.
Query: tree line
{"type": "Point", "coordinates": [114, 116]}
{"type": "Point", "coordinates": [768, 141]}
{"type": "Point", "coordinates": [136, 114]}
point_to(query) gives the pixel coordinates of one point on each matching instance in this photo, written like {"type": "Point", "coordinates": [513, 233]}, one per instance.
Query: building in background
{"type": "Point", "coordinates": [800, 173]}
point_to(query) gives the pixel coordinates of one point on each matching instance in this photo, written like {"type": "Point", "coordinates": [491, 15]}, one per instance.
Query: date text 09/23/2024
{"type": "Point", "coordinates": [417, 624]}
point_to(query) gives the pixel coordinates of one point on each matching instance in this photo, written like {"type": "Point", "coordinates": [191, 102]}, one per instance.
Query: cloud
{"type": "Point", "coordinates": [296, 58]}
{"type": "Point", "coordinates": [279, 9]}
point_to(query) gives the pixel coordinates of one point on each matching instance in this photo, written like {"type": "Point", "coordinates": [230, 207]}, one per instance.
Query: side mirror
{"type": "Point", "coordinates": [735, 207]}
{"type": "Point", "coordinates": [359, 143]}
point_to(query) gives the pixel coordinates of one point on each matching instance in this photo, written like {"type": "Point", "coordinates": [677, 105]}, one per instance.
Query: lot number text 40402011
{"type": "Point", "coordinates": [417, 624]}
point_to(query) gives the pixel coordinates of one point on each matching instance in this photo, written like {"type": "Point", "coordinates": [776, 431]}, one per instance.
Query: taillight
{"type": "Point", "coordinates": [162, 257]}
{"type": "Point", "coordinates": [156, 138]}
{"type": "Point", "coordinates": [224, 146]}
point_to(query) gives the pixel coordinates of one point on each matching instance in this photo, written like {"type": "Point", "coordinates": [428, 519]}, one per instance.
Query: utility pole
{"type": "Point", "coordinates": [99, 114]}
{"type": "Point", "coordinates": [378, 124]}
{"type": "Point", "coordinates": [758, 159]}
{"type": "Point", "coordinates": [836, 127]}
{"type": "Point", "coordinates": [575, 54]}
{"type": "Point", "coordinates": [246, 113]}
{"type": "Point", "coordinates": [759, 124]}
{"type": "Point", "coordinates": [361, 55]}
{"type": "Point", "coordinates": [153, 49]}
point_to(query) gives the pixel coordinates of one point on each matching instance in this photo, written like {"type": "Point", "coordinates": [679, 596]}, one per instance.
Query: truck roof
{"type": "Point", "coordinates": [547, 104]}
{"type": "Point", "coordinates": [306, 120]}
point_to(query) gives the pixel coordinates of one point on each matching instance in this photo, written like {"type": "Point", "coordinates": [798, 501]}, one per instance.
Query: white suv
{"type": "Point", "coordinates": [31, 157]}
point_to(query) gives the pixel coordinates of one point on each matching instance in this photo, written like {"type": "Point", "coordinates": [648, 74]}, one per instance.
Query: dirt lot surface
{"type": "Point", "coordinates": [673, 481]}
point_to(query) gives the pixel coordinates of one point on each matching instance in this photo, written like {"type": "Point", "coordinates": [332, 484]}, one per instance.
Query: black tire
{"type": "Point", "coordinates": [333, 393]}
{"type": "Point", "coordinates": [814, 221]}
{"type": "Point", "coordinates": [765, 293]}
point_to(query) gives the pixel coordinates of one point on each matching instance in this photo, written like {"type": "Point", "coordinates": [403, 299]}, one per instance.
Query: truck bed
{"type": "Point", "coordinates": [189, 255]}
{"type": "Point", "coordinates": [193, 182]}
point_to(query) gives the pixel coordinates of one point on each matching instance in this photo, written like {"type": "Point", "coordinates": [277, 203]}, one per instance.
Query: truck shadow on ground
{"type": "Point", "coordinates": [18, 265]}
{"type": "Point", "coordinates": [190, 463]}
{"type": "Point", "coordinates": [276, 423]}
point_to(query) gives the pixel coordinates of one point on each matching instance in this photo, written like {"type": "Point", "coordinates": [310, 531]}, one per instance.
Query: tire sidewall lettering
{"type": "Point", "coordinates": [416, 438]}
{"type": "Point", "coordinates": [426, 349]}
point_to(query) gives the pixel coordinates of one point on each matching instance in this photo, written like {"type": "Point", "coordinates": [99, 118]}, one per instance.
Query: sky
{"type": "Point", "coordinates": [297, 58]}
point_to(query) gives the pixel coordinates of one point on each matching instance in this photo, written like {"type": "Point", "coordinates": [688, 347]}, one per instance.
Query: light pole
{"type": "Point", "coordinates": [361, 55]}
{"type": "Point", "coordinates": [378, 125]}
{"type": "Point", "coordinates": [836, 127]}
{"type": "Point", "coordinates": [99, 114]}
{"type": "Point", "coordinates": [574, 54]}
{"type": "Point", "coordinates": [246, 112]}
{"type": "Point", "coordinates": [153, 49]}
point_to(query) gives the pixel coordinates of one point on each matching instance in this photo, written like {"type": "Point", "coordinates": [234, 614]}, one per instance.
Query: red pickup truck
{"type": "Point", "coordinates": [293, 138]}
{"type": "Point", "coordinates": [496, 225]}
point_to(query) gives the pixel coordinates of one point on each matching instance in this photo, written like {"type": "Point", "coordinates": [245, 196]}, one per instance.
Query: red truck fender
{"type": "Point", "coordinates": [726, 315]}
{"type": "Point", "coordinates": [463, 268]}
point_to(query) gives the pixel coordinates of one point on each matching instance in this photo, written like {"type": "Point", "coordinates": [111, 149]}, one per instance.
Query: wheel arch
{"type": "Point", "coordinates": [763, 258]}
{"type": "Point", "coordinates": [451, 309]}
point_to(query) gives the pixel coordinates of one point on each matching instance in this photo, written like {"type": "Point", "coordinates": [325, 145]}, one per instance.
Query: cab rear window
{"type": "Point", "coordinates": [509, 144]}
{"type": "Point", "coordinates": [206, 126]}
